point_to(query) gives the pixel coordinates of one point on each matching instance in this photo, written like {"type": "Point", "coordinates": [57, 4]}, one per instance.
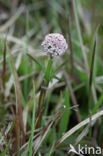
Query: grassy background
{"type": "Point", "coordinates": [75, 90]}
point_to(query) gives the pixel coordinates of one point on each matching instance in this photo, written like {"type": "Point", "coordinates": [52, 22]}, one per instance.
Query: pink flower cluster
{"type": "Point", "coordinates": [54, 44]}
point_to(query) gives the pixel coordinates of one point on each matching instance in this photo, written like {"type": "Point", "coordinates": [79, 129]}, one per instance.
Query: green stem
{"type": "Point", "coordinates": [48, 70]}
{"type": "Point", "coordinates": [45, 84]}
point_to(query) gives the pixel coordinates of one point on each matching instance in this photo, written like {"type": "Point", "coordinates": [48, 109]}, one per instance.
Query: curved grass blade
{"type": "Point", "coordinates": [19, 114]}
{"type": "Point", "coordinates": [31, 57]}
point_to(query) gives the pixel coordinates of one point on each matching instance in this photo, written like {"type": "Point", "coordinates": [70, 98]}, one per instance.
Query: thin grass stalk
{"type": "Point", "coordinates": [33, 126]}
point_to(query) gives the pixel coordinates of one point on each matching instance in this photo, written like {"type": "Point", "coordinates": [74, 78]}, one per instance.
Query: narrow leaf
{"type": "Point", "coordinates": [18, 95]}
{"type": "Point", "coordinates": [65, 118]}
{"type": "Point", "coordinates": [31, 57]}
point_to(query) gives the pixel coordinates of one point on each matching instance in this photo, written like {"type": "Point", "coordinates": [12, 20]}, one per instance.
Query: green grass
{"type": "Point", "coordinates": [33, 126]}
{"type": "Point", "coordinates": [37, 104]}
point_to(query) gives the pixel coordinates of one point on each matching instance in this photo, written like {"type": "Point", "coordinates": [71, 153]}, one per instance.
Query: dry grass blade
{"type": "Point", "coordinates": [42, 136]}
{"type": "Point", "coordinates": [12, 19]}
{"type": "Point", "coordinates": [19, 114]}
{"type": "Point", "coordinates": [82, 134]}
{"type": "Point", "coordinates": [77, 127]}
{"type": "Point", "coordinates": [41, 104]}
{"type": "Point", "coordinates": [17, 41]}
{"type": "Point", "coordinates": [10, 81]}
{"type": "Point", "coordinates": [16, 135]}
{"type": "Point", "coordinates": [40, 139]}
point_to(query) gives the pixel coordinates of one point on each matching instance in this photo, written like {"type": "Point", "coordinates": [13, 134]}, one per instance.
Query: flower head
{"type": "Point", "coordinates": [54, 44]}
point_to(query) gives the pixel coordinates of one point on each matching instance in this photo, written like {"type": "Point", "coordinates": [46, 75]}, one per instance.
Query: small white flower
{"type": "Point", "coordinates": [54, 44]}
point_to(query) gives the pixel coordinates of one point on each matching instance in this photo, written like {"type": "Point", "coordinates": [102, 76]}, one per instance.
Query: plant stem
{"type": "Point", "coordinates": [44, 87]}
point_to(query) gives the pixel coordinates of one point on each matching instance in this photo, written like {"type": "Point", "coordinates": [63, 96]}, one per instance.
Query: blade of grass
{"type": "Point", "coordinates": [31, 57]}
{"type": "Point", "coordinates": [99, 103]}
{"type": "Point", "coordinates": [18, 94]}
{"type": "Point", "coordinates": [60, 66]}
{"type": "Point", "coordinates": [92, 65]}
{"type": "Point", "coordinates": [4, 67]}
{"type": "Point", "coordinates": [11, 21]}
{"type": "Point", "coordinates": [33, 124]}
{"type": "Point", "coordinates": [93, 57]}
{"type": "Point", "coordinates": [77, 127]}
{"type": "Point", "coordinates": [2, 110]}
{"type": "Point", "coordinates": [72, 95]}
{"type": "Point", "coordinates": [41, 138]}
{"type": "Point", "coordinates": [65, 118]}
{"type": "Point", "coordinates": [91, 75]}
{"type": "Point", "coordinates": [93, 70]}
{"type": "Point", "coordinates": [46, 107]}
{"type": "Point", "coordinates": [26, 69]}
{"type": "Point", "coordinates": [6, 149]}
{"type": "Point", "coordinates": [51, 149]}
{"type": "Point", "coordinates": [16, 135]}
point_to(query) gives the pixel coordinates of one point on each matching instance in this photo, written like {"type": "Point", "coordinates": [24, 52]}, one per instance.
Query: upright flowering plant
{"type": "Point", "coordinates": [54, 45]}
